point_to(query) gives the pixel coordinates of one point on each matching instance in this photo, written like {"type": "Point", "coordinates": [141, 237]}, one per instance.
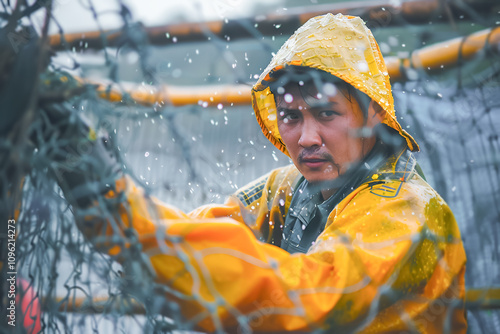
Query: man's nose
{"type": "Point", "coordinates": [310, 135]}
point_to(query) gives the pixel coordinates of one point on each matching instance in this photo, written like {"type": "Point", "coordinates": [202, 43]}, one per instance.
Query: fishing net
{"type": "Point", "coordinates": [199, 152]}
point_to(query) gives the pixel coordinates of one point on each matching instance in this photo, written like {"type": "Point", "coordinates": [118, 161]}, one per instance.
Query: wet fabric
{"type": "Point", "coordinates": [389, 257]}
{"type": "Point", "coordinates": [306, 219]}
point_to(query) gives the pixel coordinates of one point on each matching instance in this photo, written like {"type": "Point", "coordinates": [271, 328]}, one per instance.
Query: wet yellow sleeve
{"type": "Point", "coordinates": [223, 277]}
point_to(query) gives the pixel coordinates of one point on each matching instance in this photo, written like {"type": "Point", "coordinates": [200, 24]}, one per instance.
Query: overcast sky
{"type": "Point", "coordinates": [73, 16]}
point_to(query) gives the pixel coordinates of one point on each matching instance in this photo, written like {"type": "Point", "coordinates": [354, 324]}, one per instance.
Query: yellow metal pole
{"type": "Point", "coordinates": [444, 54]}
{"type": "Point", "coordinates": [207, 96]}
{"type": "Point", "coordinates": [441, 55]}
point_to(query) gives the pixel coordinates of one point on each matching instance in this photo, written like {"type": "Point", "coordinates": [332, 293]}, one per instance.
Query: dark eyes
{"type": "Point", "coordinates": [327, 113]}
{"type": "Point", "coordinates": [287, 116]}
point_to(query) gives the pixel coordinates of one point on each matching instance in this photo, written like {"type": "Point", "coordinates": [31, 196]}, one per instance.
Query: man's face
{"type": "Point", "coordinates": [320, 130]}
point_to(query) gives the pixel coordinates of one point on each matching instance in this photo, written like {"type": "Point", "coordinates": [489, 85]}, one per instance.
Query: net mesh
{"type": "Point", "coordinates": [200, 153]}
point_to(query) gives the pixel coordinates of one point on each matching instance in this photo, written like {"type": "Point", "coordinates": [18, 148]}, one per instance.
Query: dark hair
{"type": "Point", "coordinates": [305, 78]}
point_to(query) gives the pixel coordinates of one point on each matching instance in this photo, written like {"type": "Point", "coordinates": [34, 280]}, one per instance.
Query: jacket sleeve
{"type": "Point", "coordinates": [373, 253]}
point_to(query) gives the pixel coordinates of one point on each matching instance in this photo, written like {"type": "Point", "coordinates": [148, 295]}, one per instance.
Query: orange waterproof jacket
{"type": "Point", "coordinates": [390, 259]}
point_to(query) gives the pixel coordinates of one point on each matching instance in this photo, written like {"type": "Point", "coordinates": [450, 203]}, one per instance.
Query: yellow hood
{"type": "Point", "coordinates": [342, 46]}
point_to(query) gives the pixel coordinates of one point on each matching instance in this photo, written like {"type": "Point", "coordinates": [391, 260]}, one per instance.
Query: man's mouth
{"type": "Point", "coordinates": [313, 162]}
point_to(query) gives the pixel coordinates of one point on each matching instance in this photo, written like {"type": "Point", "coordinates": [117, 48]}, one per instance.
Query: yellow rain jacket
{"type": "Point", "coordinates": [389, 260]}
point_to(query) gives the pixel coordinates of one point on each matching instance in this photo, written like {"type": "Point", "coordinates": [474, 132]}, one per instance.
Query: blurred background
{"type": "Point", "coordinates": [174, 81]}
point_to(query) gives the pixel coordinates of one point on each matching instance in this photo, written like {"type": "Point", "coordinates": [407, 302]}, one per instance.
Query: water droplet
{"type": "Point", "coordinates": [329, 89]}
{"type": "Point", "coordinates": [274, 156]}
{"type": "Point", "coordinates": [363, 67]}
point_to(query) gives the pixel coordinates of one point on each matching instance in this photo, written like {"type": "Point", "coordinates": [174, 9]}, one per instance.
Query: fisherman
{"type": "Point", "coordinates": [349, 238]}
